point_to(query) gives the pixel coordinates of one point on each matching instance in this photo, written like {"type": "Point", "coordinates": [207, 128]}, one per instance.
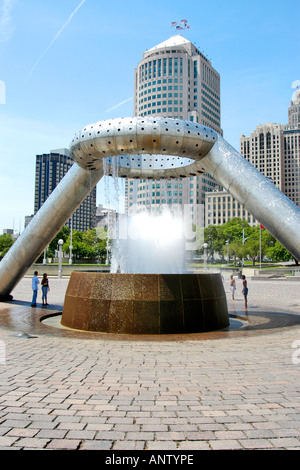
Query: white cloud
{"type": "Point", "coordinates": [118, 105]}
{"type": "Point", "coordinates": [6, 26]}
{"type": "Point", "coordinates": [56, 37]}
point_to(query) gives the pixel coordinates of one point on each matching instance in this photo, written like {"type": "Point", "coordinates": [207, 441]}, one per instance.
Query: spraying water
{"type": "Point", "coordinates": [145, 242]}
{"type": "Point", "coordinates": [148, 243]}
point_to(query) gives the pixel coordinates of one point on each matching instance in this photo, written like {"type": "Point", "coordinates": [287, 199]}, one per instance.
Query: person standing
{"type": "Point", "coordinates": [245, 290]}
{"type": "Point", "coordinates": [232, 286]}
{"type": "Point", "coordinates": [45, 288]}
{"type": "Point", "coordinates": [35, 282]}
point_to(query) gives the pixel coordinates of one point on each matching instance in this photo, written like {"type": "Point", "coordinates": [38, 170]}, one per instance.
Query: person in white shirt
{"type": "Point", "coordinates": [232, 286]}
{"type": "Point", "coordinates": [35, 283]}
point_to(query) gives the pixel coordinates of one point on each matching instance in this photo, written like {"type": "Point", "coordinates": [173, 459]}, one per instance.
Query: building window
{"type": "Point", "coordinates": [195, 69]}
{"type": "Point", "coordinates": [159, 67]}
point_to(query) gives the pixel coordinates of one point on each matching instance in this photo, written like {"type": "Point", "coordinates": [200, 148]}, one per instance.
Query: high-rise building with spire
{"type": "Point", "coordinates": [174, 79]}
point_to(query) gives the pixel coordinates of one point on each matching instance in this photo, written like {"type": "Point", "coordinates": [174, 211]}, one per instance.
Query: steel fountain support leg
{"type": "Point", "coordinates": [47, 222]}
{"type": "Point", "coordinates": [208, 151]}
{"type": "Point", "coordinates": [275, 211]}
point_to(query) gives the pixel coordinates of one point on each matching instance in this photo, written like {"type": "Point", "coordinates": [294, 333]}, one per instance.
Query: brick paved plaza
{"type": "Point", "coordinates": [237, 389]}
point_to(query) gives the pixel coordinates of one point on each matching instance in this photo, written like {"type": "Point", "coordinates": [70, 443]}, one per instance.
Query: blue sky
{"type": "Point", "coordinates": [68, 63]}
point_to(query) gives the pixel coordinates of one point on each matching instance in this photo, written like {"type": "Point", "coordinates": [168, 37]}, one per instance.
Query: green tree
{"type": "Point", "coordinates": [77, 244]}
{"type": "Point", "coordinates": [237, 250]}
{"type": "Point", "coordinates": [211, 237]}
{"type": "Point", "coordinates": [233, 230]}
{"type": "Point", "coordinates": [6, 241]}
{"type": "Point", "coordinates": [86, 244]}
{"type": "Point", "coordinates": [254, 247]}
{"type": "Point", "coordinates": [217, 236]}
{"type": "Point", "coordinates": [278, 252]}
{"type": "Point", "coordinates": [228, 237]}
{"type": "Point", "coordinates": [63, 235]}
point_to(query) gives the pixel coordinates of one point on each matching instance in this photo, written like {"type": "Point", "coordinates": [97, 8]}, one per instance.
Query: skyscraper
{"type": "Point", "coordinates": [174, 79]}
{"type": "Point", "coordinates": [263, 149]}
{"type": "Point", "coordinates": [294, 111]}
{"type": "Point", "coordinates": [50, 169]}
{"type": "Point", "coordinates": [291, 151]}
{"type": "Point", "coordinates": [274, 149]}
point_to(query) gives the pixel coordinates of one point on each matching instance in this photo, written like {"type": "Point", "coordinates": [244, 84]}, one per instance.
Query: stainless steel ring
{"type": "Point", "coordinates": [168, 148]}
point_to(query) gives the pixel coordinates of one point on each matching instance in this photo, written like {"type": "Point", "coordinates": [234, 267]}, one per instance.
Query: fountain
{"type": "Point", "coordinates": [148, 302]}
{"type": "Point", "coordinates": [145, 303]}
{"type": "Point", "coordinates": [149, 290]}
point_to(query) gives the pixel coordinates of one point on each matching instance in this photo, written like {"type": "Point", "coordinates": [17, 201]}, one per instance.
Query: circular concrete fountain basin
{"type": "Point", "coordinates": [145, 303]}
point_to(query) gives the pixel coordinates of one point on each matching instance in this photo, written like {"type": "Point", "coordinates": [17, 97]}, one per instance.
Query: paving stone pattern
{"type": "Point", "coordinates": [235, 392]}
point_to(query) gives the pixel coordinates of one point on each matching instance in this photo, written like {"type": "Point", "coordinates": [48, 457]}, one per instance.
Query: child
{"type": "Point", "coordinates": [232, 286]}
{"type": "Point", "coordinates": [245, 290]}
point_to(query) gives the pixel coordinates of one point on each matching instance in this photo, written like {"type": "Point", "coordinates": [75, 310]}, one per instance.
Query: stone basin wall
{"type": "Point", "coordinates": [145, 303]}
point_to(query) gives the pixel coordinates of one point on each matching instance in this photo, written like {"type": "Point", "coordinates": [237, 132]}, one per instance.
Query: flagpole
{"type": "Point", "coordinates": [180, 26]}
{"type": "Point", "coordinates": [260, 247]}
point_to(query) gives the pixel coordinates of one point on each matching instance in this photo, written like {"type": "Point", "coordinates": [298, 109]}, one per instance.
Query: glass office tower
{"type": "Point", "coordinates": [174, 79]}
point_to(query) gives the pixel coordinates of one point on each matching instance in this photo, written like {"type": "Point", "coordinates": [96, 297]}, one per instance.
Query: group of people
{"type": "Point", "coordinates": [45, 288]}
{"type": "Point", "coordinates": [244, 288]}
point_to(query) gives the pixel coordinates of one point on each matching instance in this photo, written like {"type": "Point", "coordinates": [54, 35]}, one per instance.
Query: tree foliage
{"type": "Point", "coordinates": [278, 252]}
{"type": "Point", "coordinates": [240, 240]}
{"type": "Point", "coordinates": [235, 237]}
{"type": "Point", "coordinates": [90, 244]}
{"type": "Point", "coordinates": [6, 241]}
{"type": "Point", "coordinates": [62, 235]}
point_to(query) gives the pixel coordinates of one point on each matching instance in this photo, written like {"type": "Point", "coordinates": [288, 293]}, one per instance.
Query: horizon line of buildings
{"type": "Point", "coordinates": [174, 79]}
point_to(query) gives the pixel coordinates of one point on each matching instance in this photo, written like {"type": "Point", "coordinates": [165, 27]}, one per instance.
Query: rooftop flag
{"type": "Point", "coordinates": [182, 25]}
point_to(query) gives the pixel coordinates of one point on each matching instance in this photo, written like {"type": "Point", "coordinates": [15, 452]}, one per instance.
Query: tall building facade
{"type": "Point", "coordinates": [174, 79]}
{"type": "Point", "coordinates": [274, 149]}
{"type": "Point", "coordinates": [291, 162]}
{"type": "Point", "coordinates": [50, 169]}
{"type": "Point", "coordinates": [291, 151]}
{"type": "Point", "coordinates": [294, 111]}
{"type": "Point", "coordinates": [220, 207]}
{"type": "Point", "coordinates": [264, 150]}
